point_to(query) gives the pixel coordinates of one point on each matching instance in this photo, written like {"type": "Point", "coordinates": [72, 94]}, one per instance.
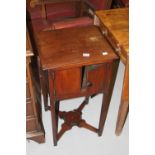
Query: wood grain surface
{"type": "Point", "coordinates": [65, 48]}
{"type": "Point", "coordinates": [116, 22]}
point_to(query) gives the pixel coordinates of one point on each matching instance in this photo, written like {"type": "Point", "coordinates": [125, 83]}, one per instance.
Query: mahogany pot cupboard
{"type": "Point", "coordinates": [76, 62]}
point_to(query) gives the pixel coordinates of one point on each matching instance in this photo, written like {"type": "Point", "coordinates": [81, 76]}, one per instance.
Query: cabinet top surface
{"type": "Point", "coordinates": [117, 22]}
{"type": "Point", "coordinates": [72, 47]}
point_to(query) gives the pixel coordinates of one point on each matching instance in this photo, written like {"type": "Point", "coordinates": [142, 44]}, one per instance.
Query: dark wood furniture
{"type": "Point", "coordinates": [100, 4]}
{"type": "Point", "coordinates": [115, 26]}
{"type": "Point", "coordinates": [34, 128]}
{"type": "Point", "coordinates": [120, 3]}
{"type": "Point", "coordinates": [76, 62]}
{"type": "Point", "coordinates": [56, 14]}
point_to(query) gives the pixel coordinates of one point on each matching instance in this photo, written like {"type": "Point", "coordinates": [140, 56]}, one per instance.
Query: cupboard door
{"type": "Point", "coordinates": [67, 81]}
{"type": "Point", "coordinates": [96, 78]}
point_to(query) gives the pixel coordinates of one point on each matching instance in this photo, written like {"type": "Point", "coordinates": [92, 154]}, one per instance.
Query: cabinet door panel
{"type": "Point", "coordinates": [96, 78]}
{"type": "Point", "coordinates": [67, 81]}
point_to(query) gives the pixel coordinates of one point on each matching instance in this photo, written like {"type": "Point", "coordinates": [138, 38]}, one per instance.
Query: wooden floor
{"type": "Point", "coordinates": [108, 144]}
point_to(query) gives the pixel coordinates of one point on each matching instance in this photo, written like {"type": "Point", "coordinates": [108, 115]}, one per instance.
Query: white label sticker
{"type": "Point", "coordinates": [86, 54]}
{"type": "Point", "coordinates": [104, 53]}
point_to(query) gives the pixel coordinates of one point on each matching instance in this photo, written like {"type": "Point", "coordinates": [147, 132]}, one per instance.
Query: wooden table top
{"type": "Point", "coordinates": [117, 22]}
{"type": "Point", "coordinates": [66, 48]}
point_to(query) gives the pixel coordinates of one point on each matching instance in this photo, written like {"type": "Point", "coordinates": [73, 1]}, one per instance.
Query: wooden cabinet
{"type": "Point", "coordinates": [34, 128]}
{"type": "Point", "coordinates": [79, 62]}
{"type": "Point", "coordinates": [79, 80]}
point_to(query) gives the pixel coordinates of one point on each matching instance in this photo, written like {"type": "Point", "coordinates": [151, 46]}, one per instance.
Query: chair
{"type": "Point", "coordinates": [56, 14]}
